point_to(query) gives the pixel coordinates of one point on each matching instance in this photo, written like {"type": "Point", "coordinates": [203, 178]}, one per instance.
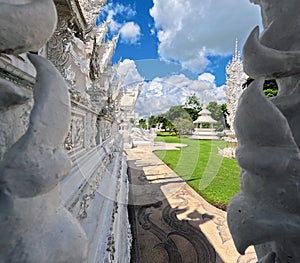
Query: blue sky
{"type": "Point", "coordinates": [168, 40]}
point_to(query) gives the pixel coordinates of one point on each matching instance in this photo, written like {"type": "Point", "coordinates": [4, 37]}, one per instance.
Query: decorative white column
{"type": "Point", "coordinates": [266, 212]}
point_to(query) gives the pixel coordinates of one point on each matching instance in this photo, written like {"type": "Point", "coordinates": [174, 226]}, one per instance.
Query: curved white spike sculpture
{"type": "Point", "coordinates": [34, 225]}
{"type": "Point", "coordinates": [26, 27]}
{"type": "Point", "coordinates": [266, 212]}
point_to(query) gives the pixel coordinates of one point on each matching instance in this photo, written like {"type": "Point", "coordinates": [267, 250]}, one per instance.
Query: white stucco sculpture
{"type": "Point", "coordinates": [34, 224]}
{"type": "Point", "coordinates": [266, 212]}
{"type": "Point", "coordinates": [18, 25]}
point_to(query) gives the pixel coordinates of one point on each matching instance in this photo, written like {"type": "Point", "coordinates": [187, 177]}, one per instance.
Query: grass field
{"type": "Point", "coordinates": [215, 178]}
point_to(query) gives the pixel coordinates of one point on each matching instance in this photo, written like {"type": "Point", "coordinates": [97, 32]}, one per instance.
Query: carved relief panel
{"type": "Point", "coordinates": [57, 46]}
{"type": "Point", "coordinates": [75, 140]}
{"type": "Point", "coordinates": [83, 129]}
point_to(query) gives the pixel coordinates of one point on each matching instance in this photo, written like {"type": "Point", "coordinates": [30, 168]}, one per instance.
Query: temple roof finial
{"type": "Point", "coordinates": [237, 54]}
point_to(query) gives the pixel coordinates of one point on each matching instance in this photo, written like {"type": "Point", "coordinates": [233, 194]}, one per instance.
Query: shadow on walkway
{"type": "Point", "coordinates": [170, 221]}
{"type": "Point", "coordinates": [158, 235]}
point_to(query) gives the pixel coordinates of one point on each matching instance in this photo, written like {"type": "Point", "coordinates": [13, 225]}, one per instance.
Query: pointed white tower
{"type": "Point", "coordinates": [236, 77]}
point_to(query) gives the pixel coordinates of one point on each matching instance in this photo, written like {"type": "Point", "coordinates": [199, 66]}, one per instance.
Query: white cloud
{"type": "Point", "coordinates": [128, 71]}
{"type": "Point", "coordinates": [152, 31]}
{"type": "Point", "coordinates": [118, 14]}
{"type": "Point", "coordinates": [130, 32]}
{"type": "Point", "coordinates": [126, 11]}
{"type": "Point", "coordinates": [190, 30]}
{"type": "Point", "coordinates": [160, 94]}
{"type": "Point", "coordinates": [114, 26]}
{"type": "Point", "coordinates": [119, 9]}
{"type": "Point", "coordinates": [207, 77]}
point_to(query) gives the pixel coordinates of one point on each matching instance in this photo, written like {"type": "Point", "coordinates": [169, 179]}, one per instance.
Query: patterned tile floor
{"type": "Point", "coordinates": [172, 223]}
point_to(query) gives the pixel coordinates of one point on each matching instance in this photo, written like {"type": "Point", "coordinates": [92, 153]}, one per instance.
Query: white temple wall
{"type": "Point", "coordinates": [95, 191]}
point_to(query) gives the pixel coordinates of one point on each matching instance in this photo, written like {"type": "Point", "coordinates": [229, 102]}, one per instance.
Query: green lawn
{"type": "Point", "coordinates": [214, 177]}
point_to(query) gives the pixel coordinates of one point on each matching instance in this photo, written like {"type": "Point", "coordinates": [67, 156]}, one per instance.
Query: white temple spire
{"type": "Point", "coordinates": [237, 54]}
{"type": "Point", "coordinates": [236, 47]}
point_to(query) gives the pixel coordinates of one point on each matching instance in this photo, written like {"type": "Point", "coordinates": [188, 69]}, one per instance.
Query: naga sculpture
{"type": "Point", "coordinates": [34, 225]}
{"type": "Point", "coordinates": [266, 212]}
{"type": "Point", "coordinates": [26, 26]}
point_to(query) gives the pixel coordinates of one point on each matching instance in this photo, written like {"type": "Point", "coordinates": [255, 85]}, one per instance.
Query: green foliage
{"type": "Point", "coordinates": [224, 110]}
{"type": "Point", "coordinates": [248, 81]}
{"type": "Point", "coordinates": [193, 106]}
{"type": "Point", "coordinates": [169, 125]}
{"type": "Point", "coordinates": [178, 119]}
{"type": "Point", "coordinates": [163, 120]}
{"type": "Point", "coordinates": [153, 121]}
{"type": "Point", "coordinates": [193, 102]}
{"type": "Point", "coordinates": [217, 114]}
{"type": "Point", "coordinates": [270, 93]}
{"type": "Point", "coordinates": [176, 112]}
{"type": "Point", "coordinates": [198, 163]}
{"type": "Point", "coordinates": [183, 125]}
{"type": "Point", "coordinates": [142, 124]}
{"type": "Point", "coordinates": [270, 87]}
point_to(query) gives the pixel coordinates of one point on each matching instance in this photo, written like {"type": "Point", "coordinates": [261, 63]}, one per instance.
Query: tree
{"type": "Point", "coordinates": [161, 119]}
{"type": "Point", "coordinates": [183, 125]}
{"type": "Point", "coordinates": [217, 114]}
{"type": "Point", "coordinates": [169, 125]}
{"type": "Point", "coordinates": [142, 124]}
{"type": "Point", "coordinates": [224, 110]}
{"type": "Point", "coordinates": [270, 87]}
{"type": "Point", "coordinates": [153, 120]}
{"type": "Point", "coordinates": [193, 106]}
{"type": "Point", "coordinates": [177, 114]}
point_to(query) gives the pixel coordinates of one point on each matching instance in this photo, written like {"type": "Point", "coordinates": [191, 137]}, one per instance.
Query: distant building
{"type": "Point", "coordinates": [236, 77]}
{"type": "Point", "coordinates": [204, 129]}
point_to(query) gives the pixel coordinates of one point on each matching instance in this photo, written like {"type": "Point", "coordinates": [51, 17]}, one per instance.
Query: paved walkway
{"type": "Point", "coordinates": [172, 222]}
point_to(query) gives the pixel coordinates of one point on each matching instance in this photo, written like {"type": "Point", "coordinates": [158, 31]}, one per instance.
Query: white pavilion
{"type": "Point", "coordinates": [204, 129]}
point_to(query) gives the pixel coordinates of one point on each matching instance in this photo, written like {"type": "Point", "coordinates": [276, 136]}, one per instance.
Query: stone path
{"type": "Point", "coordinates": [172, 222]}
